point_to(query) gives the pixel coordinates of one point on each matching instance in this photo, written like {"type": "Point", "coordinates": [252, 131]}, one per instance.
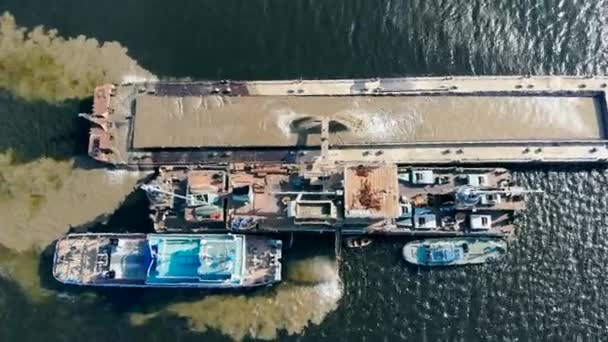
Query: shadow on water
{"type": "Point", "coordinates": [24, 320]}
{"type": "Point", "coordinates": [35, 129]}
{"type": "Point", "coordinates": [132, 215]}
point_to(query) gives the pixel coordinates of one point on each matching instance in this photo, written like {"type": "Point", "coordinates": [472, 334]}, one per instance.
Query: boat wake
{"type": "Point", "coordinates": [317, 270]}
{"type": "Point", "coordinates": [40, 64]}
{"type": "Point", "coordinates": [311, 291]}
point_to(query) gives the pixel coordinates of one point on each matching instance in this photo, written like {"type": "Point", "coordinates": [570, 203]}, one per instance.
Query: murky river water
{"type": "Point", "coordinates": [550, 287]}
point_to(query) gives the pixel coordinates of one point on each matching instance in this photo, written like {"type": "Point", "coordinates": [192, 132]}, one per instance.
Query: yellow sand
{"type": "Point", "coordinates": [268, 120]}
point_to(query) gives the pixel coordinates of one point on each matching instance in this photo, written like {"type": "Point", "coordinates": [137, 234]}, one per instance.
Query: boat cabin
{"type": "Point", "coordinates": [203, 192]}
{"type": "Point", "coordinates": [480, 222]}
{"type": "Point", "coordinates": [178, 260]}
{"type": "Point", "coordinates": [440, 253]}
{"type": "Point", "coordinates": [477, 180]}
{"type": "Point", "coordinates": [312, 209]}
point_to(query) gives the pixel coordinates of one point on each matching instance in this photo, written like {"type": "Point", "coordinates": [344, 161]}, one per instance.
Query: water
{"type": "Point", "coordinates": [550, 287]}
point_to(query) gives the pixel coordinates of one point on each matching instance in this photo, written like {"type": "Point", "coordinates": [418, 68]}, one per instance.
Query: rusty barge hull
{"type": "Point", "coordinates": [434, 120]}
{"type": "Point", "coordinates": [356, 199]}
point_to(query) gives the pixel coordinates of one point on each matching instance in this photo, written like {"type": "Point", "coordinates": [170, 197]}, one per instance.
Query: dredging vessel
{"type": "Point", "coordinates": [377, 198]}
{"type": "Point", "coordinates": [427, 120]}
{"type": "Point", "coordinates": [454, 251]}
{"type": "Point", "coordinates": [175, 261]}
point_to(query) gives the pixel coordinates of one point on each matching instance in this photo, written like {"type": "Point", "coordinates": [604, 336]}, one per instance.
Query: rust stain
{"type": "Point", "coordinates": [367, 197]}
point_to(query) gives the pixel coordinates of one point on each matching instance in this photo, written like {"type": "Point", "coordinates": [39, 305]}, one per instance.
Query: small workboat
{"type": "Point", "coordinates": [357, 242]}
{"type": "Point", "coordinates": [454, 251]}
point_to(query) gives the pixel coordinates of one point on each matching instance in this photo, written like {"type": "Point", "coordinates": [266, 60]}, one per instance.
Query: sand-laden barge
{"type": "Point", "coordinates": [434, 120]}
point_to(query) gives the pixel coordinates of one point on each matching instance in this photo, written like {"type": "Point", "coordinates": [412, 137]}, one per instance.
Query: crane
{"type": "Point", "coordinates": [191, 200]}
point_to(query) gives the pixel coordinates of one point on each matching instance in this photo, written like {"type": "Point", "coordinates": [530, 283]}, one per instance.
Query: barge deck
{"type": "Point", "coordinates": [352, 199]}
{"type": "Point", "coordinates": [430, 120]}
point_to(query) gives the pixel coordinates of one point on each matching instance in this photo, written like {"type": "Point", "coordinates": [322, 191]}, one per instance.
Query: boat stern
{"type": "Point", "coordinates": [262, 261]}
{"type": "Point", "coordinates": [59, 257]}
{"type": "Point", "coordinates": [70, 261]}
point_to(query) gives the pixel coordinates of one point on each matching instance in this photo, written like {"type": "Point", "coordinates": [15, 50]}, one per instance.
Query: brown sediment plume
{"type": "Point", "coordinates": [40, 64]}
{"type": "Point", "coordinates": [23, 267]}
{"type": "Point", "coordinates": [41, 199]}
{"type": "Point", "coordinates": [311, 291]}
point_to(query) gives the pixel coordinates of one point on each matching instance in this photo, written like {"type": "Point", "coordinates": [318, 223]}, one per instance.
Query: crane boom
{"type": "Point", "coordinates": [190, 199]}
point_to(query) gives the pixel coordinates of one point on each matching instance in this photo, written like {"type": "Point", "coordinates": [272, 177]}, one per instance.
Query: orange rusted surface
{"type": "Point", "coordinates": [100, 144]}
{"type": "Point", "coordinates": [205, 181]}
{"type": "Point", "coordinates": [101, 99]}
{"type": "Point", "coordinates": [371, 191]}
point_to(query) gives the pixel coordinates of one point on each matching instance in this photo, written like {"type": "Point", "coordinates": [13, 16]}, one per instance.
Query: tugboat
{"type": "Point", "coordinates": [177, 261]}
{"type": "Point", "coordinates": [454, 251]}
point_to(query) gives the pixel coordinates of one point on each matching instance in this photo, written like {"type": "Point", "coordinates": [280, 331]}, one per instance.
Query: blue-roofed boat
{"type": "Point", "coordinates": [454, 251]}
{"type": "Point", "coordinates": [161, 260]}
